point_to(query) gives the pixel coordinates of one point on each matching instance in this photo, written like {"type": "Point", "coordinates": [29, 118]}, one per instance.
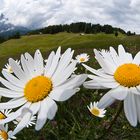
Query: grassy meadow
{"type": "Point", "coordinates": [73, 121]}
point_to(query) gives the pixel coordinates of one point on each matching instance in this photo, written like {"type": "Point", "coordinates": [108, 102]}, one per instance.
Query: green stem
{"type": "Point", "coordinates": [120, 107]}
{"type": "Point", "coordinates": [85, 71]}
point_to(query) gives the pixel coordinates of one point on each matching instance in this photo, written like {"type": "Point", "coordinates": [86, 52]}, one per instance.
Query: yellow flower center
{"type": "Point", "coordinates": [128, 75]}
{"type": "Point", "coordinates": [3, 135]}
{"type": "Point", "coordinates": [82, 59]}
{"type": "Point", "coordinates": [95, 111]}
{"type": "Point", "coordinates": [10, 69]}
{"type": "Point", "coordinates": [2, 116]}
{"type": "Point", "coordinates": [37, 88]}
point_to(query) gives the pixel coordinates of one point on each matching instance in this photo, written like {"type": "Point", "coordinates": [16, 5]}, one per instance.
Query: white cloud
{"type": "Point", "coordinates": [38, 13]}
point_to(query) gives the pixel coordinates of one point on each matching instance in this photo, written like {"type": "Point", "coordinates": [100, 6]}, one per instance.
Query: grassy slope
{"type": "Point", "coordinates": [73, 121]}
{"type": "Point", "coordinates": [14, 47]}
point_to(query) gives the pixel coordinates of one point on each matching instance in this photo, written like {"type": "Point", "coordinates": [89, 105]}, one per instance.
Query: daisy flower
{"type": "Point", "coordinates": [93, 108]}
{"type": "Point", "coordinates": [5, 134]}
{"type": "Point", "coordinates": [8, 68]}
{"type": "Point", "coordinates": [84, 57]}
{"type": "Point", "coordinates": [37, 87]}
{"type": "Point", "coordinates": [4, 113]}
{"type": "Point", "coordinates": [119, 72]}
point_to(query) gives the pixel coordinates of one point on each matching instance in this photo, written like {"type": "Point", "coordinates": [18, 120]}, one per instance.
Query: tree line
{"type": "Point", "coordinates": [15, 35]}
{"type": "Point", "coordinates": [80, 27]}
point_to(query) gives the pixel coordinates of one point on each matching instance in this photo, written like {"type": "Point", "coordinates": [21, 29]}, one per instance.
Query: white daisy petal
{"type": "Point", "coordinates": [108, 59]}
{"type": "Point", "coordinates": [52, 106]}
{"type": "Point", "coordinates": [17, 70]}
{"type": "Point", "coordinates": [13, 79]}
{"type": "Point", "coordinates": [109, 83]}
{"type": "Point", "coordinates": [106, 101]}
{"type": "Point", "coordinates": [13, 104]}
{"type": "Point", "coordinates": [48, 110]}
{"type": "Point", "coordinates": [25, 66]}
{"type": "Point", "coordinates": [60, 94]}
{"type": "Point", "coordinates": [2, 127]}
{"type": "Point", "coordinates": [134, 90]}
{"type": "Point", "coordinates": [101, 116]}
{"type": "Point", "coordinates": [66, 74]}
{"type": "Point", "coordinates": [9, 85]}
{"type": "Point", "coordinates": [130, 109]}
{"type": "Point", "coordinates": [74, 82]}
{"type": "Point", "coordinates": [137, 100]}
{"type": "Point", "coordinates": [11, 136]}
{"type": "Point", "coordinates": [105, 65]}
{"type": "Point", "coordinates": [129, 57]}
{"type": "Point", "coordinates": [101, 79]}
{"type": "Point", "coordinates": [39, 66]}
{"type": "Point", "coordinates": [102, 83]}
{"type": "Point", "coordinates": [115, 56]}
{"type": "Point", "coordinates": [42, 115]}
{"type": "Point", "coordinates": [138, 88]}
{"type": "Point", "coordinates": [137, 59]}
{"type": "Point", "coordinates": [63, 63]}
{"type": "Point", "coordinates": [49, 62]}
{"type": "Point", "coordinates": [30, 63]}
{"type": "Point", "coordinates": [10, 94]}
{"type": "Point", "coordinates": [54, 63]}
{"type": "Point", "coordinates": [92, 84]}
{"type": "Point", "coordinates": [122, 53]}
{"type": "Point", "coordinates": [119, 93]}
{"type": "Point", "coordinates": [124, 57]}
{"type": "Point", "coordinates": [96, 72]}
{"type": "Point", "coordinates": [35, 107]}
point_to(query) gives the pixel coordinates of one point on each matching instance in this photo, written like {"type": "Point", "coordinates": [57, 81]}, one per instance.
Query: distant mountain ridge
{"type": "Point", "coordinates": [7, 29]}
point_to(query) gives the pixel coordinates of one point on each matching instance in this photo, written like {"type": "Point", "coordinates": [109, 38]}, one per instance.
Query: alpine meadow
{"type": "Point", "coordinates": [73, 120]}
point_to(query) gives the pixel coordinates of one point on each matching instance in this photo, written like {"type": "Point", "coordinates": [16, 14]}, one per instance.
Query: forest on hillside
{"type": "Point", "coordinates": [80, 27]}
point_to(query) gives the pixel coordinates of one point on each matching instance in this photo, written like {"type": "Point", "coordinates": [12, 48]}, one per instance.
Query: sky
{"type": "Point", "coordinates": [40, 13]}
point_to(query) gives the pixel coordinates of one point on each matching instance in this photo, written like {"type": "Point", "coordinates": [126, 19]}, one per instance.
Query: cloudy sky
{"type": "Point", "coordinates": [39, 13]}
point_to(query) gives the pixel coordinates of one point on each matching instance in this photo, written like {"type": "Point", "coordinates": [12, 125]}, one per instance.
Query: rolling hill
{"type": "Point", "coordinates": [86, 43]}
